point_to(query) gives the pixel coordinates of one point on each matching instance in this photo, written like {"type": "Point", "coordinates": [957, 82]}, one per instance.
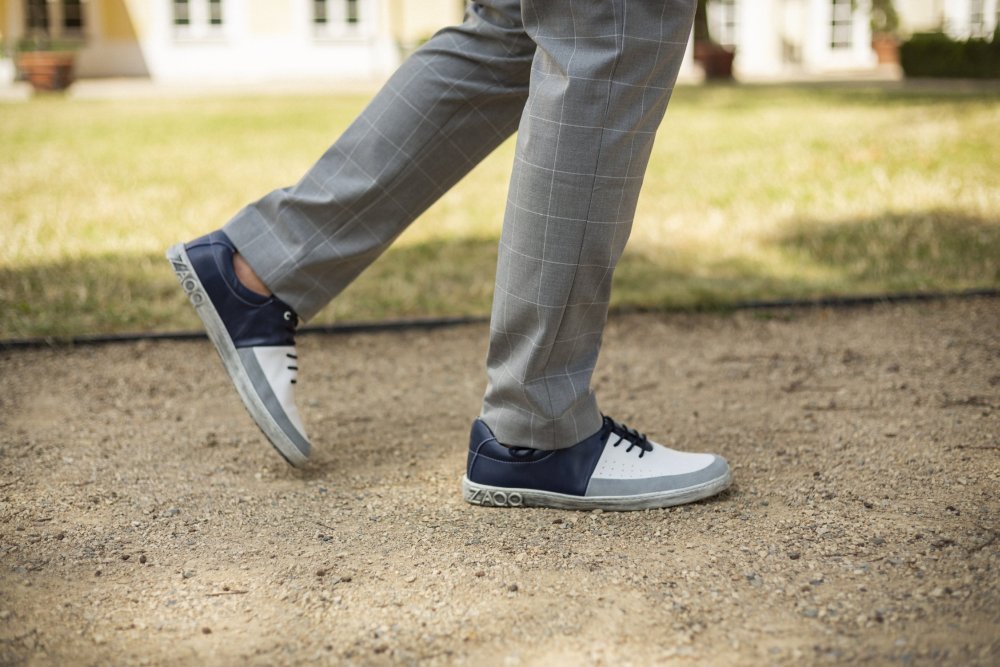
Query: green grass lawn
{"type": "Point", "coordinates": [752, 193]}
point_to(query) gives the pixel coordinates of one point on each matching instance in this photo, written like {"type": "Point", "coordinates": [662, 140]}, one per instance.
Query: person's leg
{"type": "Point", "coordinates": [602, 76]}
{"type": "Point", "coordinates": [448, 106]}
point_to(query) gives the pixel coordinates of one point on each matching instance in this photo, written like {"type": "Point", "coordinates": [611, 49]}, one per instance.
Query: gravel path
{"type": "Point", "coordinates": [144, 521]}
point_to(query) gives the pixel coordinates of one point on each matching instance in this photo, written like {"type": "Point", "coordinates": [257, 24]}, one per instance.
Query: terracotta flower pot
{"type": "Point", "coordinates": [47, 70]}
{"type": "Point", "coordinates": [715, 59]}
{"type": "Point", "coordinates": [886, 49]}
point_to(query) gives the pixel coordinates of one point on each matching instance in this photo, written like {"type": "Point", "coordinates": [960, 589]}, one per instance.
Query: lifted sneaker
{"type": "Point", "coordinates": [617, 468]}
{"type": "Point", "coordinates": [254, 335]}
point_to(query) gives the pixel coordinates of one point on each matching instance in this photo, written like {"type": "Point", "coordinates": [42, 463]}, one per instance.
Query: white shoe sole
{"type": "Point", "coordinates": [217, 333]}
{"type": "Point", "coordinates": [496, 496]}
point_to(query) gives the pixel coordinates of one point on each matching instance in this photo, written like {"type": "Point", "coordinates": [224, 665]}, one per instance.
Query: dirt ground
{"type": "Point", "coordinates": [143, 520]}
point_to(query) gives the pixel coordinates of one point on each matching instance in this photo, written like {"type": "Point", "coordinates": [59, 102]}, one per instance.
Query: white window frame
{"type": "Point", "coordinates": [723, 19]}
{"type": "Point", "coordinates": [199, 26]}
{"type": "Point", "coordinates": [338, 24]}
{"type": "Point", "coordinates": [979, 20]}
{"type": "Point", "coordinates": [56, 30]}
{"type": "Point", "coordinates": [841, 25]}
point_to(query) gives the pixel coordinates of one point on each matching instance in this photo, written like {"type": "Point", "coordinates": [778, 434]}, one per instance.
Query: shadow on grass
{"type": "Point", "coordinates": [929, 251]}
{"type": "Point", "coordinates": [116, 293]}
{"type": "Point", "coordinates": [903, 251]}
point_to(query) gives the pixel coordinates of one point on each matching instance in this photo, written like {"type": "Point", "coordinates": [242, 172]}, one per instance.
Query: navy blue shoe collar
{"type": "Point", "coordinates": [251, 319]}
{"type": "Point", "coordinates": [560, 471]}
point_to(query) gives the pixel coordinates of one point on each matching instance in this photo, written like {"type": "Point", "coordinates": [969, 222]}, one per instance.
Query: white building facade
{"type": "Point", "coordinates": [254, 41]}
{"type": "Point", "coordinates": [782, 39]}
{"type": "Point", "coordinates": [233, 41]}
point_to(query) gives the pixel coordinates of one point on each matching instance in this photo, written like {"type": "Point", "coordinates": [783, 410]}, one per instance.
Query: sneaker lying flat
{"type": "Point", "coordinates": [254, 335]}
{"type": "Point", "coordinates": [617, 468]}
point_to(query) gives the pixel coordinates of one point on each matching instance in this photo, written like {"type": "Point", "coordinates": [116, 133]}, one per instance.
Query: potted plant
{"type": "Point", "coordinates": [714, 58]}
{"type": "Point", "coordinates": [46, 64]}
{"type": "Point", "coordinates": [885, 29]}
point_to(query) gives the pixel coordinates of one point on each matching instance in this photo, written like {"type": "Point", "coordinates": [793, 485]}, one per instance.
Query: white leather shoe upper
{"type": "Point", "coordinates": [617, 462]}
{"type": "Point", "coordinates": [280, 367]}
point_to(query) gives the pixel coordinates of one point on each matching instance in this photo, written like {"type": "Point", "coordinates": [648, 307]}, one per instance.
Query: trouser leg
{"type": "Point", "coordinates": [600, 82]}
{"type": "Point", "coordinates": [447, 107]}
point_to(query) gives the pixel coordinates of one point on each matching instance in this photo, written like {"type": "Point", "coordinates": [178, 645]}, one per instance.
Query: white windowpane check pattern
{"type": "Point", "coordinates": [586, 84]}
{"type": "Point", "coordinates": [601, 79]}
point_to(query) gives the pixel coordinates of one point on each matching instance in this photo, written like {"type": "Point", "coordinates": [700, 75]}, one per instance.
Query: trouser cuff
{"type": "Point", "coordinates": [515, 426]}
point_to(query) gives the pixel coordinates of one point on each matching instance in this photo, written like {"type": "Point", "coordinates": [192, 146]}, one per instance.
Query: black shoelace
{"type": "Point", "coordinates": [294, 361]}
{"type": "Point", "coordinates": [291, 322]}
{"type": "Point", "coordinates": [632, 436]}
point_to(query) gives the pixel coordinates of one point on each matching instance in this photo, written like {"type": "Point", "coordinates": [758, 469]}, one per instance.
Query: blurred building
{"type": "Point", "coordinates": [232, 41]}
{"type": "Point", "coordinates": [960, 19]}
{"type": "Point", "coordinates": [782, 39]}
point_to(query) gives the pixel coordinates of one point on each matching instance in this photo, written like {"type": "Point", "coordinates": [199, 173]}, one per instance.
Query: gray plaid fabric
{"type": "Point", "coordinates": [586, 85]}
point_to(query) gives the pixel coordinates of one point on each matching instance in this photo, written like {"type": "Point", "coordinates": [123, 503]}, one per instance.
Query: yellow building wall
{"type": "Point", "coordinates": [3, 22]}
{"type": "Point", "coordinates": [127, 19]}
{"type": "Point", "coordinates": [117, 22]}
{"type": "Point", "coordinates": [413, 22]}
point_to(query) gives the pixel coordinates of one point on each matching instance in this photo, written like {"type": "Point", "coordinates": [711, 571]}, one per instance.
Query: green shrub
{"type": "Point", "coordinates": [937, 55]}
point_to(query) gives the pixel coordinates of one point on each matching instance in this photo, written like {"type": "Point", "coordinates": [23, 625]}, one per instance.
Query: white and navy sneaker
{"type": "Point", "coordinates": [254, 335]}
{"type": "Point", "coordinates": [617, 468]}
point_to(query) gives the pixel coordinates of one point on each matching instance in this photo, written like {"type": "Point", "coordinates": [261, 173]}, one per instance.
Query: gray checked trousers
{"type": "Point", "coordinates": [585, 83]}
